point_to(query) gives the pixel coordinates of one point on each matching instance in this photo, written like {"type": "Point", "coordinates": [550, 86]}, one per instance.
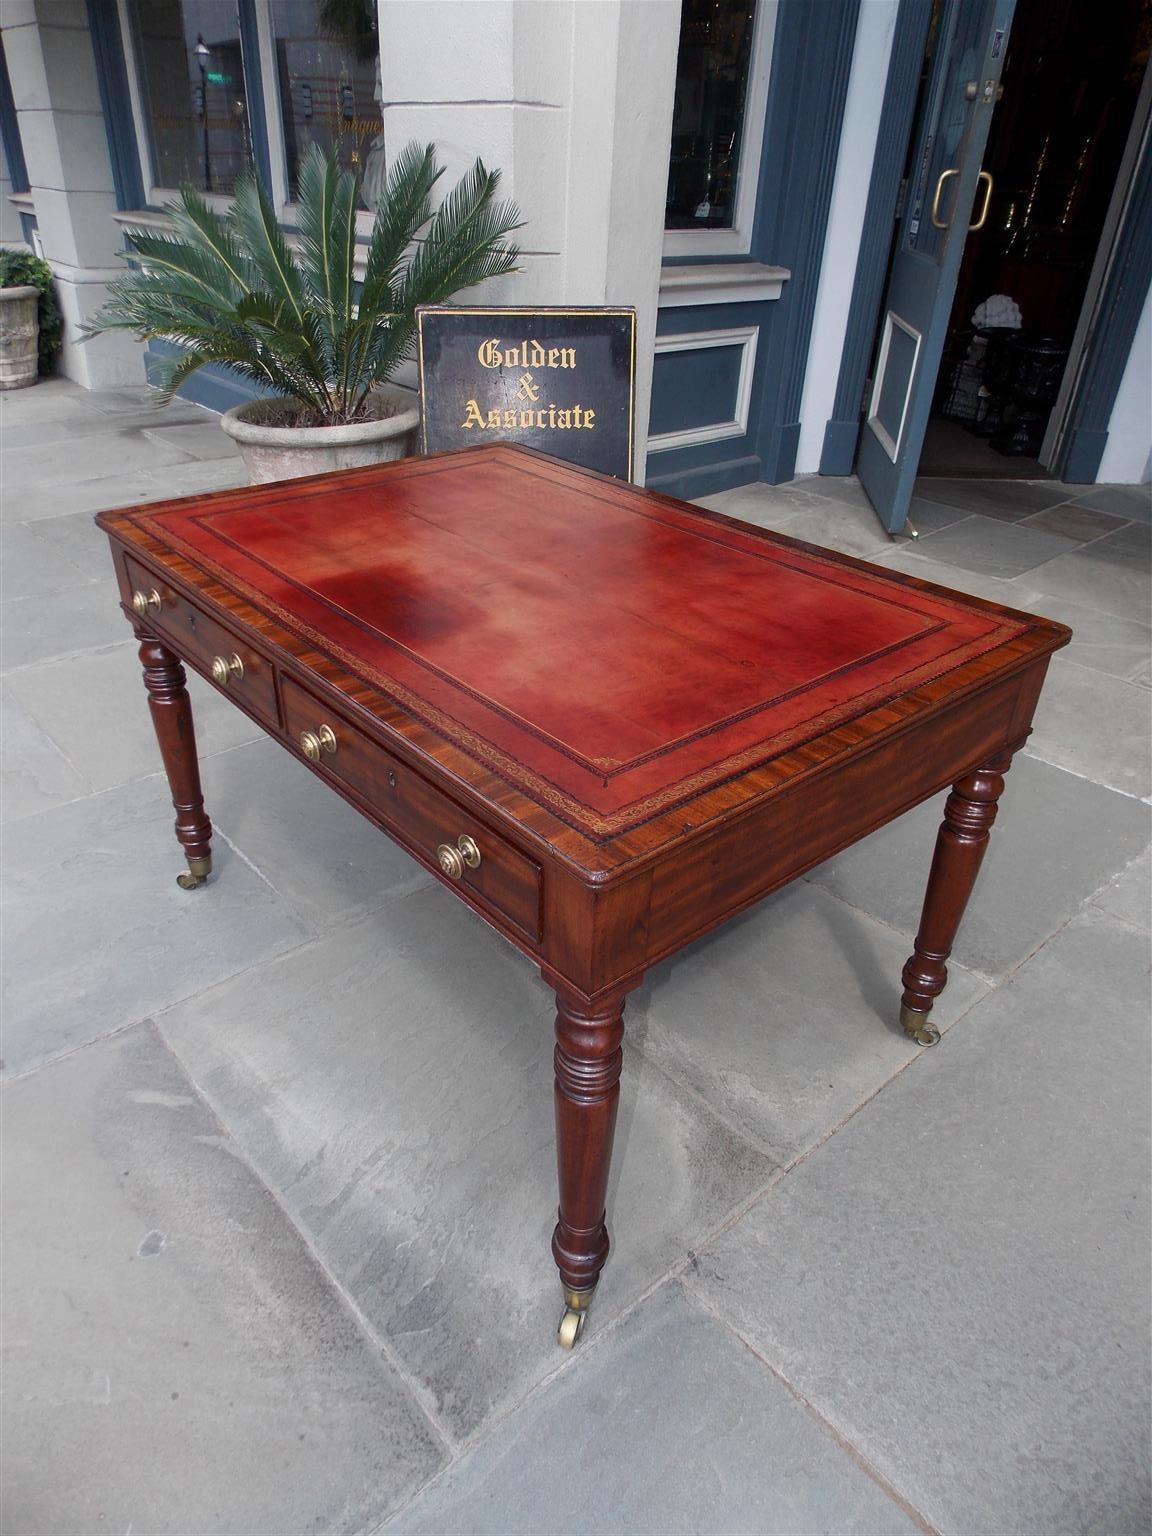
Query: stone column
{"type": "Point", "coordinates": [573, 102]}
{"type": "Point", "coordinates": [52, 68]}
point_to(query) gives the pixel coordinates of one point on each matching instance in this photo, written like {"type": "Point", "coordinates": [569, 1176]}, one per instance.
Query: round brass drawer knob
{"type": "Point", "coordinates": [144, 603]}
{"type": "Point", "coordinates": [454, 861]}
{"type": "Point", "coordinates": [315, 743]}
{"type": "Point", "coordinates": [227, 668]}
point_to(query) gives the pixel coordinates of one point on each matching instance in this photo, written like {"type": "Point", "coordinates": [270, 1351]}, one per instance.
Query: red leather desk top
{"type": "Point", "coordinates": [607, 651]}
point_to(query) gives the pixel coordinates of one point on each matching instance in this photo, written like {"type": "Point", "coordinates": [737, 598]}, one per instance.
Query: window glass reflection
{"type": "Point", "coordinates": [708, 116]}
{"type": "Point", "coordinates": [328, 66]}
{"type": "Point", "coordinates": [192, 81]}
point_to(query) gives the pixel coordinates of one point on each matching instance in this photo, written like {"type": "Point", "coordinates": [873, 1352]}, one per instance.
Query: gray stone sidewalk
{"type": "Point", "coordinates": [278, 1166]}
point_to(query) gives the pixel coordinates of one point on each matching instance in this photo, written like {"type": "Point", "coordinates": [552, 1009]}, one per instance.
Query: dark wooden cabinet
{"type": "Point", "coordinates": [607, 720]}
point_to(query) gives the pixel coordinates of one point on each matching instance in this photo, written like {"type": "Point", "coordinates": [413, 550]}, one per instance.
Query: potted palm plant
{"type": "Point", "coordinates": [231, 289]}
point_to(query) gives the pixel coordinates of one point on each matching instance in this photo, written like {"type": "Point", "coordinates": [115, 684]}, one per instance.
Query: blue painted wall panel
{"type": "Point", "coordinates": [695, 388]}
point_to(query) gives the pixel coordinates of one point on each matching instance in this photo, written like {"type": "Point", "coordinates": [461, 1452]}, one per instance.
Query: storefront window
{"type": "Point", "coordinates": [709, 112]}
{"type": "Point", "coordinates": [329, 79]}
{"type": "Point", "coordinates": [194, 102]}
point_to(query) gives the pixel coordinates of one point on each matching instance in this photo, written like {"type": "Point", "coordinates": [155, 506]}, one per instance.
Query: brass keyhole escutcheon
{"type": "Point", "coordinates": [144, 603]}
{"type": "Point", "coordinates": [315, 743]}
{"type": "Point", "coordinates": [227, 668]}
{"type": "Point", "coordinates": [454, 861]}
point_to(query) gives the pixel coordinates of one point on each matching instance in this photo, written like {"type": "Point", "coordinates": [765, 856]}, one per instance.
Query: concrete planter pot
{"type": "Point", "coordinates": [285, 453]}
{"type": "Point", "coordinates": [19, 337]}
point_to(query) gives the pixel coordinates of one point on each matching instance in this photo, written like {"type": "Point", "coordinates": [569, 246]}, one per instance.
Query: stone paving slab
{"type": "Point", "coordinates": [669, 1427]}
{"type": "Point", "coordinates": [115, 453]}
{"type": "Point", "coordinates": [98, 935]}
{"type": "Point", "coordinates": [1012, 593]}
{"type": "Point", "coordinates": [1129, 896]}
{"type": "Point", "coordinates": [33, 630]}
{"type": "Point", "coordinates": [787, 1018]}
{"type": "Point", "coordinates": [63, 428]}
{"type": "Point", "coordinates": [34, 773]}
{"type": "Point", "coordinates": [1006, 500]}
{"type": "Point", "coordinates": [1111, 576]}
{"type": "Point", "coordinates": [394, 1082]}
{"type": "Point", "coordinates": [176, 1362]}
{"type": "Point", "coordinates": [959, 1280]}
{"type": "Point", "coordinates": [198, 475]}
{"type": "Point", "coordinates": [990, 547]}
{"type": "Point", "coordinates": [1134, 501]}
{"type": "Point", "coordinates": [803, 513]}
{"type": "Point", "coordinates": [95, 708]}
{"type": "Point", "coordinates": [327, 861]}
{"type": "Point", "coordinates": [20, 504]}
{"type": "Point", "coordinates": [1057, 839]}
{"type": "Point", "coordinates": [1120, 647]}
{"type": "Point", "coordinates": [204, 437]}
{"type": "Point", "coordinates": [764, 505]}
{"type": "Point", "coordinates": [930, 516]}
{"type": "Point", "coordinates": [1074, 522]}
{"type": "Point", "coordinates": [1096, 726]}
{"type": "Point", "coordinates": [31, 567]}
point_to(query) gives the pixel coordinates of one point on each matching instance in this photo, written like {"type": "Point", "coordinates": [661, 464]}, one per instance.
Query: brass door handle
{"type": "Point", "coordinates": [315, 743]}
{"type": "Point", "coordinates": [227, 668]}
{"type": "Point", "coordinates": [986, 178]}
{"type": "Point", "coordinates": [144, 603]}
{"type": "Point", "coordinates": [937, 221]}
{"type": "Point", "coordinates": [453, 861]}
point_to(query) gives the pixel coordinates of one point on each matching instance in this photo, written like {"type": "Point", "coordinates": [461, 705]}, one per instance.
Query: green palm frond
{"type": "Point", "coordinates": [465, 242]}
{"type": "Point", "coordinates": [263, 240]}
{"type": "Point", "coordinates": [405, 208]}
{"type": "Point", "coordinates": [231, 289]}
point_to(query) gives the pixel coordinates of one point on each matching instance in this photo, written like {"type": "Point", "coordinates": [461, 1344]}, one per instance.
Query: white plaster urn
{"type": "Point", "coordinates": [274, 451]}
{"type": "Point", "coordinates": [19, 336]}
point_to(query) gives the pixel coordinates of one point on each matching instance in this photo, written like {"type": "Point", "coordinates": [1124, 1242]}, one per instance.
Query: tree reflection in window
{"type": "Point", "coordinates": [327, 61]}
{"type": "Point", "coordinates": [191, 74]}
{"type": "Point", "coordinates": [708, 115]}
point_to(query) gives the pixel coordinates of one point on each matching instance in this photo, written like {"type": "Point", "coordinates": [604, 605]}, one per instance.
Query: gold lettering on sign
{"type": "Point", "coordinates": [577, 417]}
{"type": "Point", "coordinates": [528, 389]}
{"type": "Point", "coordinates": [528, 354]}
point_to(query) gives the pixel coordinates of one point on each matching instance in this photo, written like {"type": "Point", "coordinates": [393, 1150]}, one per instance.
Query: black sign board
{"type": "Point", "coordinates": [561, 380]}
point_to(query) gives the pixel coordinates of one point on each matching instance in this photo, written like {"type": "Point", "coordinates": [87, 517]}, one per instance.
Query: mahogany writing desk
{"type": "Point", "coordinates": [605, 719]}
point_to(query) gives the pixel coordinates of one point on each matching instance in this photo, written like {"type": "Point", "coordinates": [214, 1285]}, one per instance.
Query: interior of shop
{"type": "Point", "coordinates": [1071, 84]}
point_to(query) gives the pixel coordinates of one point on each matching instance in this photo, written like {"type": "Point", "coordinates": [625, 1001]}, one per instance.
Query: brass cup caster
{"type": "Point", "coordinates": [196, 874]}
{"type": "Point", "coordinates": [917, 1026]}
{"type": "Point", "coordinates": [575, 1313]}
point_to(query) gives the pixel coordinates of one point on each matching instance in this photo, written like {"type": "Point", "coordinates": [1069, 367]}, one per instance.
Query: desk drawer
{"type": "Point", "coordinates": [422, 816]}
{"type": "Point", "coordinates": [210, 646]}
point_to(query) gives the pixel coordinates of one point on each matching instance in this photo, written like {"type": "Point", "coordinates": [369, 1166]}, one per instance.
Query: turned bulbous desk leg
{"type": "Point", "coordinates": [969, 813]}
{"type": "Point", "coordinates": [589, 1056]}
{"type": "Point", "coordinates": [172, 719]}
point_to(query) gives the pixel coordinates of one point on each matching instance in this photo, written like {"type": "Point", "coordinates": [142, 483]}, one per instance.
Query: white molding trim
{"type": "Point", "coordinates": [734, 282]}
{"type": "Point", "coordinates": [890, 447]}
{"type": "Point", "coordinates": [737, 241]}
{"type": "Point", "coordinates": [745, 337]}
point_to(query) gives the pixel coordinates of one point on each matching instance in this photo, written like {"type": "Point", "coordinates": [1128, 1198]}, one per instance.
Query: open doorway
{"type": "Point", "coordinates": [1069, 96]}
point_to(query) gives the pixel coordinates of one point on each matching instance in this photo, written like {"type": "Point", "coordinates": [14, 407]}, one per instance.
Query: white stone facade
{"type": "Point", "coordinates": [52, 70]}
{"type": "Point", "coordinates": [571, 99]}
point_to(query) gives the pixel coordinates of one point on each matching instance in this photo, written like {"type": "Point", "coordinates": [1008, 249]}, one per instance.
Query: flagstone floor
{"type": "Point", "coordinates": [277, 1153]}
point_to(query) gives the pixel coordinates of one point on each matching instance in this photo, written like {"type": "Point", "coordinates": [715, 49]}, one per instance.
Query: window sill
{"type": "Point", "coordinates": [736, 282]}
